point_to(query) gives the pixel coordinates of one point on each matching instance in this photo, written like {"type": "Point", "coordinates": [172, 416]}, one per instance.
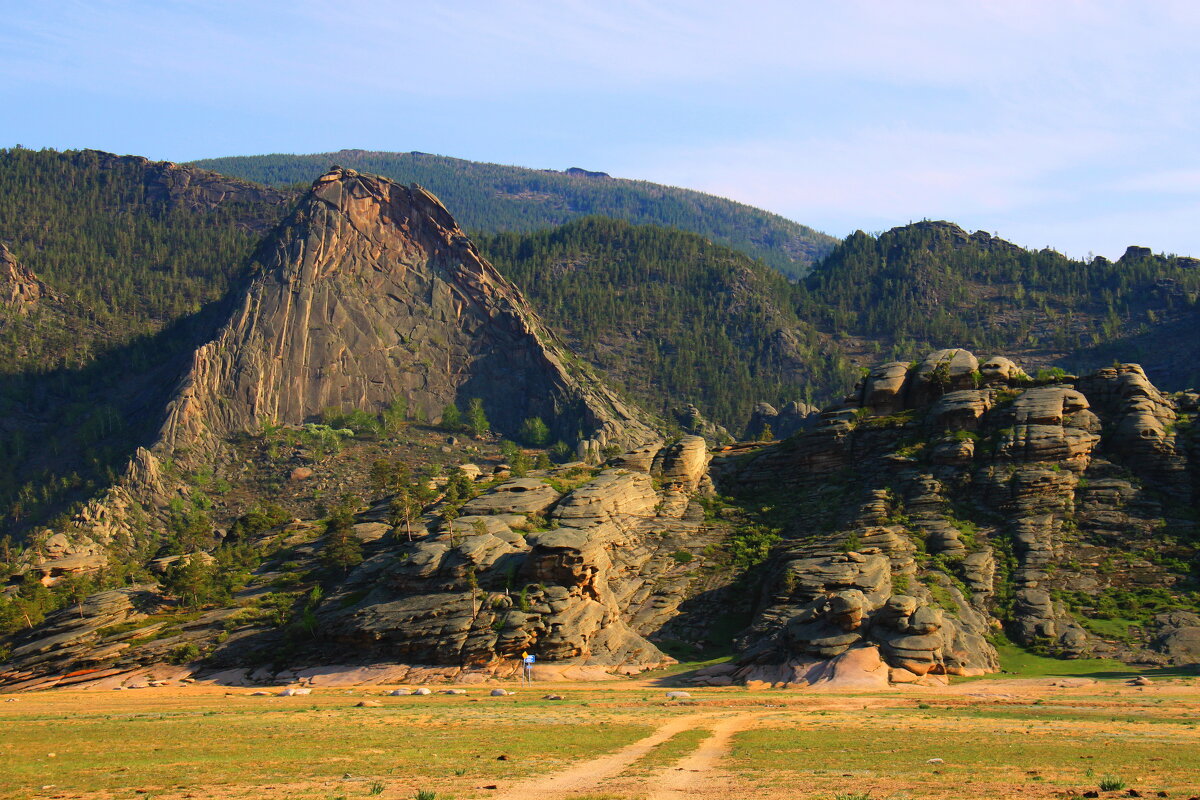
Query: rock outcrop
{"type": "Point", "coordinates": [588, 578]}
{"type": "Point", "coordinates": [952, 495]}
{"type": "Point", "coordinates": [20, 290]}
{"type": "Point", "coordinates": [171, 185]}
{"type": "Point", "coordinates": [587, 586]}
{"type": "Point", "coordinates": [692, 421]}
{"type": "Point", "coordinates": [768, 422]}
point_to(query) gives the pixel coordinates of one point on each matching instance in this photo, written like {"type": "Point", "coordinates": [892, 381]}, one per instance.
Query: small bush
{"type": "Point", "coordinates": [1111, 784]}
{"type": "Point", "coordinates": [1051, 374]}
{"type": "Point", "coordinates": [355, 419]}
{"type": "Point", "coordinates": [561, 452]}
{"type": "Point", "coordinates": [185, 653]}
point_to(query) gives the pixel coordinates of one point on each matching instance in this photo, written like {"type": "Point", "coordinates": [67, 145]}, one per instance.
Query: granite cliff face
{"type": "Point", "coordinates": [949, 497]}
{"type": "Point", "coordinates": [371, 293]}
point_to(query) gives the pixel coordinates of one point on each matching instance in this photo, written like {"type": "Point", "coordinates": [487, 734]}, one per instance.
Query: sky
{"type": "Point", "coordinates": [1051, 123]}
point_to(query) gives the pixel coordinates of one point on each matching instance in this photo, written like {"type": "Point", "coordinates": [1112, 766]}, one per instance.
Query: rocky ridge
{"type": "Point", "coordinates": [170, 185]}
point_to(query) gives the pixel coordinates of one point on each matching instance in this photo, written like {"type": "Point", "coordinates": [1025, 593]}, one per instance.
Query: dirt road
{"type": "Point", "coordinates": [677, 781]}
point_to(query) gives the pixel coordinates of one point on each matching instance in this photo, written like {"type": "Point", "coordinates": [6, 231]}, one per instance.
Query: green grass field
{"type": "Point", "coordinates": [1003, 738]}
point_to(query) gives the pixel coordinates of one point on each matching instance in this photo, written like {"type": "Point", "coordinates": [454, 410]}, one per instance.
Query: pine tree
{"type": "Point", "coordinates": [451, 417]}
{"type": "Point", "coordinates": [535, 433]}
{"type": "Point", "coordinates": [477, 421]}
{"type": "Point", "coordinates": [342, 548]}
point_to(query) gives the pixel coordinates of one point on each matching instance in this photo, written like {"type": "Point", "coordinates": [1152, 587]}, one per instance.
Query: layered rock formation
{"type": "Point", "coordinates": [371, 293]}
{"type": "Point", "coordinates": [948, 496]}
{"type": "Point", "coordinates": [583, 577]}
{"type": "Point", "coordinates": [580, 578]}
{"type": "Point", "coordinates": [945, 502]}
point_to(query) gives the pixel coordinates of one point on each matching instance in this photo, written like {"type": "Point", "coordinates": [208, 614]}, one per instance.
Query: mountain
{"type": "Point", "coordinates": [232, 420]}
{"type": "Point", "coordinates": [672, 317]}
{"type": "Point", "coordinates": [367, 298]}
{"type": "Point", "coordinates": [369, 294]}
{"type": "Point", "coordinates": [493, 198]}
{"type": "Point", "coordinates": [931, 283]}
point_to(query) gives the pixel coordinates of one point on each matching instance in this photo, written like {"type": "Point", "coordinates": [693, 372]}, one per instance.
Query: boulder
{"type": "Point", "coordinates": [1178, 637]}
{"type": "Point", "coordinates": [943, 371]}
{"type": "Point", "coordinates": [883, 389]}
{"type": "Point", "coordinates": [517, 496]}
{"type": "Point", "coordinates": [610, 496]}
{"type": "Point", "coordinates": [999, 370]}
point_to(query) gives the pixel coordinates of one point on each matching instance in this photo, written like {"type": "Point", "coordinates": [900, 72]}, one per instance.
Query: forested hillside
{"type": "Point", "coordinates": [930, 284]}
{"type": "Point", "coordinates": [673, 318]}
{"type": "Point", "coordinates": [494, 198]}
{"type": "Point", "coordinates": [131, 251]}
{"type": "Point", "coordinates": [130, 245]}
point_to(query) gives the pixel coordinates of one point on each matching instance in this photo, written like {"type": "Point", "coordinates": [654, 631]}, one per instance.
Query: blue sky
{"type": "Point", "coordinates": [1051, 123]}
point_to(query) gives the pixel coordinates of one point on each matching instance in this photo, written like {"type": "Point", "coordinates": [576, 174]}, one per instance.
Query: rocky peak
{"type": "Point", "coordinates": [1135, 253]}
{"type": "Point", "coordinates": [579, 172]}
{"type": "Point", "coordinates": [370, 292]}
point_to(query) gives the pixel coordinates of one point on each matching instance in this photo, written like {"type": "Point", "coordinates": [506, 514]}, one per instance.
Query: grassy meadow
{"type": "Point", "coordinates": [1004, 737]}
